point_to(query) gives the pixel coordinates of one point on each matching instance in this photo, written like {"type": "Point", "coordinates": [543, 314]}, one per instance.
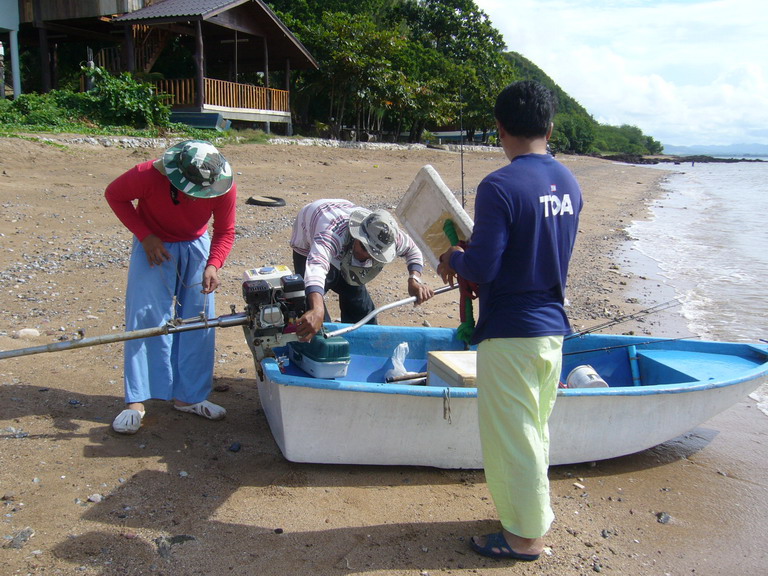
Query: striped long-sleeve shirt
{"type": "Point", "coordinates": [321, 231]}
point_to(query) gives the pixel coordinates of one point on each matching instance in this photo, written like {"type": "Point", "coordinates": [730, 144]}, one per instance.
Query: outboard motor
{"type": "Point", "coordinates": [275, 298]}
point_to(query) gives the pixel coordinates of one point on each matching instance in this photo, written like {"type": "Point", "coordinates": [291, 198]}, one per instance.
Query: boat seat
{"type": "Point", "coordinates": [673, 366]}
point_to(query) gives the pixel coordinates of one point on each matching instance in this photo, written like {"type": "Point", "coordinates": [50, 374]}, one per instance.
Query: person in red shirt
{"type": "Point", "coordinates": [173, 274]}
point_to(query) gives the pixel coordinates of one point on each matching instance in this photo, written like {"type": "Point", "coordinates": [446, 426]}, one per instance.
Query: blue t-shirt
{"type": "Point", "coordinates": [526, 219]}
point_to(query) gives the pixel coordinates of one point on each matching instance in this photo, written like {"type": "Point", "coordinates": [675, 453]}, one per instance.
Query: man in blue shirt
{"type": "Point", "coordinates": [526, 219]}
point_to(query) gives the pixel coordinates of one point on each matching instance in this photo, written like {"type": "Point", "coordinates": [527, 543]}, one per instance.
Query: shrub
{"type": "Point", "coordinates": [9, 113]}
{"type": "Point", "coordinates": [79, 105]}
{"type": "Point", "coordinates": [122, 100]}
{"type": "Point", "coordinates": [38, 109]}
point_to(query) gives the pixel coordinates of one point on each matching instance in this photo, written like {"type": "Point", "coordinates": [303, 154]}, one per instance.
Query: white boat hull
{"type": "Point", "coordinates": [369, 422]}
{"type": "Point", "coordinates": [311, 425]}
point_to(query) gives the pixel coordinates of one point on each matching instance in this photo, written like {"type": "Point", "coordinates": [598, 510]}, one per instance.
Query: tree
{"type": "Point", "coordinates": [574, 133]}
{"type": "Point", "coordinates": [625, 139]}
{"type": "Point", "coordinates": [387, 66]}
{"type": "Point", "coordinates": [356, 74]}
{"type": "Point", "coordinates": [462, 34]}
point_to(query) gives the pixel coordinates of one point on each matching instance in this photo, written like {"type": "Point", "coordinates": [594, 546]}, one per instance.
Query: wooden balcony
{"type": "Point", "coordinates": [231, 100]}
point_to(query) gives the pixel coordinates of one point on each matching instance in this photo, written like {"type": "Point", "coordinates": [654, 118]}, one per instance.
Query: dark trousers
{"type": "Point", "coordinates": [354, 301]}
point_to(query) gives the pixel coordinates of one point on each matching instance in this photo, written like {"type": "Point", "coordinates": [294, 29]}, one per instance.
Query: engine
{"type": "Point", "coordinates": [274, 299]}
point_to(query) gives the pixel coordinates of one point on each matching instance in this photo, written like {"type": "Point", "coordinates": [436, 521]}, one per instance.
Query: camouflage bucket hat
{"type": "Point", "coordinates": [196, 168]}
{"type": "Point", "coordinates": [377, 231]}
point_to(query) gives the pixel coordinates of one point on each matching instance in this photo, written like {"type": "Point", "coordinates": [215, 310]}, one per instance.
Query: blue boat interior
{"type": "Point", "coordinates": [636, 361]}
{"type": "Point", "coordinates": [621, 361]}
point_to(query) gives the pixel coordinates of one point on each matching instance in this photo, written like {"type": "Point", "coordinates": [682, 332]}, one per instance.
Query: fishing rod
{"type": "Point", "coordinates": [630, 344]}
{"type": "Point", "coordinates": [621, 319]}
{"type": "Point", "coordinates": [383, 308]}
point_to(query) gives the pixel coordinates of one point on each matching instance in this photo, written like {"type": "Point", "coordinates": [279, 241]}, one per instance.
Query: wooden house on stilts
{"type": "Point", "coordinates": [229, 53]}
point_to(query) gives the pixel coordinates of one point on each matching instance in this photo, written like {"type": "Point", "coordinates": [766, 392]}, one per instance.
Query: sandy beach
{"type": "Point", "coordinates": [177, 499]}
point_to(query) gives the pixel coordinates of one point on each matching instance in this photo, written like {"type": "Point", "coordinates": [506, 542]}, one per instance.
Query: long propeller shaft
{"type": "Point", "coordinates": [224, 321]}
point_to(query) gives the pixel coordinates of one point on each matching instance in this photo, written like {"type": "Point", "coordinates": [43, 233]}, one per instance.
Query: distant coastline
{"type": "Point", "coordinates": [719, 151]}
{"type": "Point", "coordinates": [670, 159]}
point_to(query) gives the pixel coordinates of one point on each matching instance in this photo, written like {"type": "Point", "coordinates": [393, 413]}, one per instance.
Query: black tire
{"type": "Point", "coordinates": [272, 201]}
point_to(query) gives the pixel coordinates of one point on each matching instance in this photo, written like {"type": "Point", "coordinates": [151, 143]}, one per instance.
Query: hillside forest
{"type": "Point", "coordinates": [389, 70]}
{"type": "Point", "coordinates": [412, 66]}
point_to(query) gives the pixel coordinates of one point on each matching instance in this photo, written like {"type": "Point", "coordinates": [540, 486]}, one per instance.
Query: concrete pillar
{"type": "Point", "coordinates": [15, 65]}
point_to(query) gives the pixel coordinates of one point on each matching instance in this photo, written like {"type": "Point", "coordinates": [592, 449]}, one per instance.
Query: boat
{"type": "Point", "coordinates": [619, 395]}
{"type": "Point", "coordinates": [393, 395]}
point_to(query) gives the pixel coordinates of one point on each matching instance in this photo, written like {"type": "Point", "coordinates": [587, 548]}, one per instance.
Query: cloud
{"type": "Point", "coordinates": [685, 72]}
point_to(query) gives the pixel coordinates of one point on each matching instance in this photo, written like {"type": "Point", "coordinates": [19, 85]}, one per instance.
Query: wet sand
{"type": "Point", "coordinates": [176, 499]}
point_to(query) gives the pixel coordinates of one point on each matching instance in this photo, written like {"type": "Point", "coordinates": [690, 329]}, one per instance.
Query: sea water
{"type": "Point", "coordinates": [708, 234]}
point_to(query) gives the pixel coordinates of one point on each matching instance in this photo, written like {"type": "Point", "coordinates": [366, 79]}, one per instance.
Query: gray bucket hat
{"type": "Point", "coordinates": [377, 230]}
{"type": "Point", "coordinates": [198, 169]}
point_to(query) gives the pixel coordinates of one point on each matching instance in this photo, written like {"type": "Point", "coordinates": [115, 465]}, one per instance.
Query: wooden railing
{"type": "Point", "coordinates": [223, 93]}
{"type": "Point", "coordinates": [180, 92]}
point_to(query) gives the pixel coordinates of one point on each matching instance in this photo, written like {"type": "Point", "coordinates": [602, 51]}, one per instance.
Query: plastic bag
{"type": "Point", "coordinates": [398, 367]}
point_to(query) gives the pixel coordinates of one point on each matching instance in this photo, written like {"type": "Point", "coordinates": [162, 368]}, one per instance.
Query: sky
{"type": "Point", "coordinates": [686, 72]}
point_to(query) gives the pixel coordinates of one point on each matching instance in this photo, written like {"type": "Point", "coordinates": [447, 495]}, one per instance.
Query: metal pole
{"type": "Point", "coordinates": [226, 321]}
{"type": "Point", "coordinates": [380, 309]}
{"type": "Point", "coordinates": [15, 73]}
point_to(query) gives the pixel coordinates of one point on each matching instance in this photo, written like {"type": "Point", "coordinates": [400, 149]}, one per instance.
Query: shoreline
{"type": "Point", "coordinates": [177, 499]}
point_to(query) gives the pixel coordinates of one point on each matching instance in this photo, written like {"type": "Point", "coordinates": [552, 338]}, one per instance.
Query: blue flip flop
{"type": "Point", "coordinates": [496, 547]}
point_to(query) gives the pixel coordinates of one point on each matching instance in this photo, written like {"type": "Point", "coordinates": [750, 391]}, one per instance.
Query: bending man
{"type": "Point", "coordinates": [341, 247]}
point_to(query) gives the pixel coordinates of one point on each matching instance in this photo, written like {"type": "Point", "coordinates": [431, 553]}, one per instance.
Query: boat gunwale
{"type": "Point", "coordinates": [272, 372]}
{"type": "Point", "coordinates": [272, 369]}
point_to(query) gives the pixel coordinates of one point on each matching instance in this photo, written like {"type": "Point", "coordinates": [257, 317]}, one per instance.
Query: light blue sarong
{"type": "Point", "coordinates": [171, 366]}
